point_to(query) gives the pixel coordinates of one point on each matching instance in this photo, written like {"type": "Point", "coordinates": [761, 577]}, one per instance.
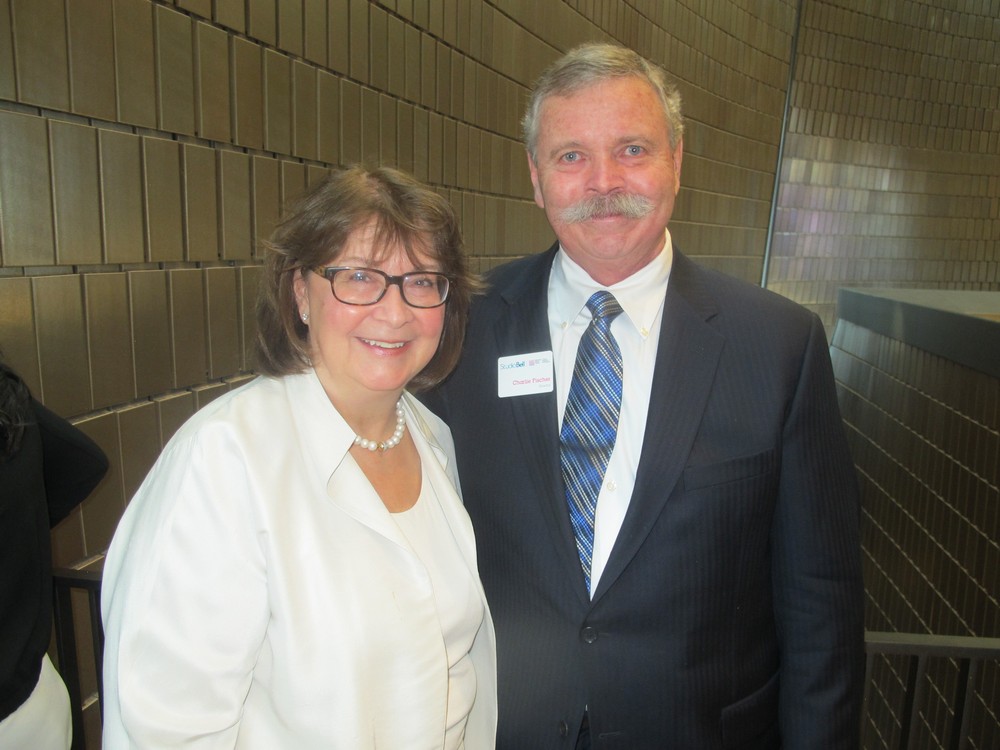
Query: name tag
{"type": "Point", "coordinates": [524, 374]}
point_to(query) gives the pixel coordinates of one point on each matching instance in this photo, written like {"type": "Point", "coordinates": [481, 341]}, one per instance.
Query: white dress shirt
{"type": "Point", "coordinates": [637, 332]}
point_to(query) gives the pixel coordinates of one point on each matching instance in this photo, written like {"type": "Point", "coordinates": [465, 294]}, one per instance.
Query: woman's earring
{"type": "Point", "coordinates": [305, 317]}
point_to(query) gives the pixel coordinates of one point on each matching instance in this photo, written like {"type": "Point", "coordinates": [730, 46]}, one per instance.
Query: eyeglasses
{"type": "Point", "coordinates": [366, 286]}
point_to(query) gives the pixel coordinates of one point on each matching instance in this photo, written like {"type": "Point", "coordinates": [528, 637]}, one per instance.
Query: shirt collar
{"type": "Point", "coordinates": [640, 295]}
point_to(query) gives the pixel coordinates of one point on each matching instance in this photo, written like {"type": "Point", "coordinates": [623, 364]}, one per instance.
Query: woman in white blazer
{"type": "Point", "coordinates": [297, 570]}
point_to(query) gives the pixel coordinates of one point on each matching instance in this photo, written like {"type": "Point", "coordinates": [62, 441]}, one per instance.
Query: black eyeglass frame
{"type": "Point", "coordinates": [329, 272]}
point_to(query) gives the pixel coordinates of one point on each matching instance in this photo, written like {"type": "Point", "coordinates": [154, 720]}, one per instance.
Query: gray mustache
{"type": "Point", "coordinates": [603, 206]}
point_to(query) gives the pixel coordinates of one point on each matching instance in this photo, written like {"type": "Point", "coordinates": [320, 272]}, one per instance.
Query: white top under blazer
{"type": "Point", "coordinates": [258, 594]}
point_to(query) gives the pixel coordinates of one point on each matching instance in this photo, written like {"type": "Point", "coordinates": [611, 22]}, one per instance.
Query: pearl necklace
{"type": "Point", "coordinates": [392, 442]}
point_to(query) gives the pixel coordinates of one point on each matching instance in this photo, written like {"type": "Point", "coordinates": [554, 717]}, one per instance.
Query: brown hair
{"type": "Point", "coordinates": [313, 233]}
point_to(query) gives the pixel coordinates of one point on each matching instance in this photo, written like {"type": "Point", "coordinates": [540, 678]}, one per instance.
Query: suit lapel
{"type": "Point", "coordinates": [522, 329]}
{"type": "Point", "coordinates": [686, 360]}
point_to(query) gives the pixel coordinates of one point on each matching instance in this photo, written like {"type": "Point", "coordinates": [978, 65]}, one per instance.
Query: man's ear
{"type": "Point", "coordinates": [533, 169]}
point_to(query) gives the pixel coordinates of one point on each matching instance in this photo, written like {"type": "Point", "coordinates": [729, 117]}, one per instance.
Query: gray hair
{"type": "Point", "coordinates": [593, 63]}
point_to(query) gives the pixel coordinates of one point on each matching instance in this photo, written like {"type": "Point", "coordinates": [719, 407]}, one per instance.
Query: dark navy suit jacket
{"type": "Point", "coordinates": [730, 611]}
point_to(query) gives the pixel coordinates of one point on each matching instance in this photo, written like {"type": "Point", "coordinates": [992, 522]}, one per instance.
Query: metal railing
{"type": "Point", "coordinates": [65, 581]}
{"type": "Point", "coordinates": [966, 657]}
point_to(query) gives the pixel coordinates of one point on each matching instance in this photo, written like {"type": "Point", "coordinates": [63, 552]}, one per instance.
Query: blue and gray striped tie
{"type": "Point", "coordinates": [590, 422]}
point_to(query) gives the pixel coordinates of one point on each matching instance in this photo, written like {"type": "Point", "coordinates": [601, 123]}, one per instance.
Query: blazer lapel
{"type": "Point", "coordinates": [686, 359]}
{"type": "Point", "coordinates": [524, 328]}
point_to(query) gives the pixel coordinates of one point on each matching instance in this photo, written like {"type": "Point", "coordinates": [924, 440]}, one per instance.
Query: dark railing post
{"type": "Point", "coordinates": [967, 653]}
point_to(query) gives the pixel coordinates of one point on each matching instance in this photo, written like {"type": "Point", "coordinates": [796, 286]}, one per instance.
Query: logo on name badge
{"type": "Point", "coordinates": [524, 374]}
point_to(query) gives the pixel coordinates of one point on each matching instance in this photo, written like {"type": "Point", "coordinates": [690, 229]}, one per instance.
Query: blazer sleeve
{"type": "Point", "coordinates": [819, 596]}
{"type": "Point", "coordinates": [185, 603]}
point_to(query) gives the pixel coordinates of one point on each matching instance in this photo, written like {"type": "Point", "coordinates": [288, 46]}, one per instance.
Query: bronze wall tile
{"type": "Point", "coordinates": [202, 8]}
{"type": "Point", "coordinates": [17, 331]}
{"type": "Point", "coordinates": [206, 394]}
{"type": "Point", "coordinates": [76, 193]}
{"type": "Point", "coordinates": [164, 200]}
{"type": "Point", "coordinates": [25, 194]}
{"type": "Point", "coordinates": [175, 71]}
{"type": "Point", "coordinates": [404, 137]}
{"type": "Point", "coordinates": [121, 197]}
{"type": "Point", "coordinates": [231, 13]}
{"type": "Point", "coordinates": [387, 120]}
{"type": "Point", "coordinates": [42, 65]}
{"type": "Point", "coordinates": [103, 508]}
{"type": "Point", "coordinates": [234, 189]}
{"type": "Point", "coordinates": [62, 344]}
{"type": "Point", "coordinates": [293, 181]}
{"type": "Point", "coordinates": [188, 326]}
{"type": "Point", "coordinates": [378, 41]}
{"type": "Point", "coordinates": [225, 355]}
{"type": "Point", "coordinates": [290, 29]}
{"type": "Point", "coordinates": [139, 428]}
{"type": "Point", "coordinates": [201, 206]}
{"type": "Point", "coordinates": [277, 102]}
{"type": "Point", "coordinates": [154, 368]}
{"type": "Point", "coordinates": [213, 82]}
{"type": "Point", "coordinates": [174, 410]}
{"type": "Point", "coordinates": [266, 199]}
{"type": "Point", "coordinates": [8, 86]}
{"type": "Point", "coordinates": [328, 87]}
{"type": "Point", "coordinates": [135, 64]}
{"type": "Point", "coordinates": [91, 58]}
{"type": "Point", "coordinates": [370, 110]}
{"type": "Point", "coordinates": [396, 51]}
{"type": "Point", "coordinates": [359, 54]}
{"type": "Point", "coordinates": [262, 20]}
{"type": "Point", "coordinates": [315, 31]}
{"type": "Point", "coordinates": [248, 94]}
{"type": "Point", "coordinates": [305, 110]}
{"type": "Point", "coordinates": [110, 337]}
{"type": "Point", "coordinates": [350, 122]}
{"type": "Point", "coordinates": [338, 30]}
{"type": "Point", "coordinates": [412, 54]}
{"type": "Point", "coordinates": [249, 281]}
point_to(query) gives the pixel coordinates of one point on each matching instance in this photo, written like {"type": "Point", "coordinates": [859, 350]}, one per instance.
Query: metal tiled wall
{"type": "Point", "coordinates": [925, 435]}
{"type": "Point", "coordinates": [891, 168]}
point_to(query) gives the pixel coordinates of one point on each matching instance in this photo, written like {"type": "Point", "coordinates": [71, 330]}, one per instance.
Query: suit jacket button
{"type": "Point", "coordinates": [563, 729]}
{"type": "Point", "coordinates": [588, 634]}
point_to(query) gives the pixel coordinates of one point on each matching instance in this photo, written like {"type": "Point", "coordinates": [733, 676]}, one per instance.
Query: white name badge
{"type": "Point", "coordinates": [524, 374]}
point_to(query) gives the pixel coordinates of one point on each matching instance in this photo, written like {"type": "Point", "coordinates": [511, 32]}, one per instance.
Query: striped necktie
{"type": "Point", "coordinates": [590, 422]}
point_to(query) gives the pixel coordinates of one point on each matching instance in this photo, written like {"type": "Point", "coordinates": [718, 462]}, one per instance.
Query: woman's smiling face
{"type": "Point", "coordinates": [359, 351]}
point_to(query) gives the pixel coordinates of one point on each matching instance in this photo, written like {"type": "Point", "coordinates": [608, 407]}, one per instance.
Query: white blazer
{"type": "Point", "coordinates": [258, 594]}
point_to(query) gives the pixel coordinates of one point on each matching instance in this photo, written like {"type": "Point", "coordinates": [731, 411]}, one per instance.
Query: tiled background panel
{"type": "Point", "coordinates": [164, 199]}
{"type": "Point", "coordinates": [76, 193]}
{"type": "Point", "coordinates": [90, 29]}
{"type": "Point", "coordinates": [189, 326]}
{"type": "Point", "coordinates": [41, 62]}
{"type": "Point", "coordinates": [201, 202]}
{"type": "Point", "coordinates": [109, 333]}
{"type": "Point", "coordinates": [135, 63]}
{"type": "Point", "coordinates": [927, 465]}
{"type": "Point", "coordinates": [25, 195]}
{"type": "Point", "coordinates": [62, 344]}
{"type": "Point", "coordinates": [121, 194]}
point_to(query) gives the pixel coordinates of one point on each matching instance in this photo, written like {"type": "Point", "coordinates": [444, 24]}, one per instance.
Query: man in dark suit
{"type": "Point", "coordinates": [708, 593]}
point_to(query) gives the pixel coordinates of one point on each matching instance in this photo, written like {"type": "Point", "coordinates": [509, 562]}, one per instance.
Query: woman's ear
{"type": "Point", "coordinates": [300, 286]}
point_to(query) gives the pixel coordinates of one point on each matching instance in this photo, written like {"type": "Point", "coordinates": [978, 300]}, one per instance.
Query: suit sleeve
{"type": "Point", "coordinates": [818, 588]}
